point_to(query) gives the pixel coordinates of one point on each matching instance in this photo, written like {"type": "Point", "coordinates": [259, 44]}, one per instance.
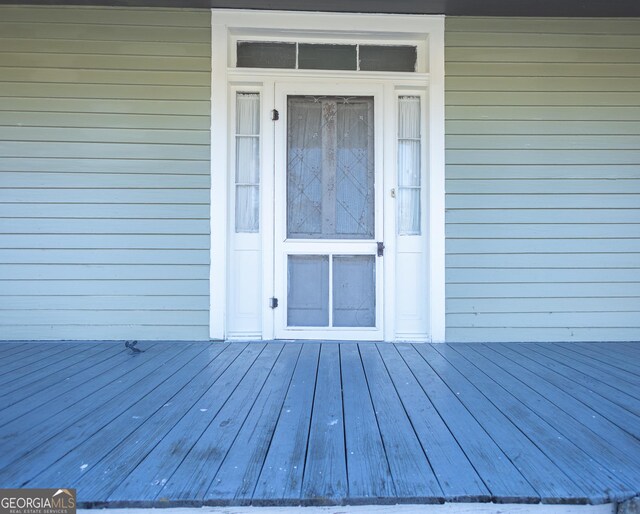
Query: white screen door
{"type": "Point", "coordinates": [328, 215]}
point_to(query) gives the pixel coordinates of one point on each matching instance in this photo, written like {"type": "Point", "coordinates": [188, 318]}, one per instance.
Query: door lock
{"type": "Point", "coordinates": [380, 249]}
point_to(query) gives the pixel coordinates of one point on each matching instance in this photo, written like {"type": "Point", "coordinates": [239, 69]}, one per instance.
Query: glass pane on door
{"type": "Point", "coordinates": [330, 168]}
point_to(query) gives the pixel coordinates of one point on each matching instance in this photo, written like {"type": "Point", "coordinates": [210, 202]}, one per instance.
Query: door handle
{"type": "Point", "coordinates": [380, 248]}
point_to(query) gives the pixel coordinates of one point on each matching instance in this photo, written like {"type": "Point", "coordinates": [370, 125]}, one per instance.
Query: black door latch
{"type": "Point", "coordinates": [380, 249]}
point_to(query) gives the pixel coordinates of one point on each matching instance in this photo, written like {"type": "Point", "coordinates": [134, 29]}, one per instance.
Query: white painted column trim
{"type": "Point", "coordinates": [219, 187]}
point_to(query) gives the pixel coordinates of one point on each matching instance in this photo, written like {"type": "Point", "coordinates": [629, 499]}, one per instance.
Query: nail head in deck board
{"type": "Point", "coordinates": [368, 473]}
{"type": "Point", "coordinates": [411, 471]}
{"type": "Point", "coordinates": [281, 476]}
{"type": "Point", "coordinates": [503, 479]}
{"type": "Point", "coordinates": [325, 472]}
{"type": "Point", "coordinates": [546, 475]}
{"type": "Point", "coordinates": [144, 483]}
{"type": "Point", "coordinates": [456, 475]}
{"type": "Point", "coordinates": [53, 459]}
{"type": "Point", "coordinates": [238, 473]}
{"type": "Point", "coordinates": [590, 381]}
{"type": "Point", "coordinates": [190, 480]}
{"type": "Point", "coordinates": [606, 467]}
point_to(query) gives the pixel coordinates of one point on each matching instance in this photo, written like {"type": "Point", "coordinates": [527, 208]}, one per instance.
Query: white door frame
{"type": "Point", "coordinates": [329, 247]}
{"type": "Point", "coordinates": [230, 25]}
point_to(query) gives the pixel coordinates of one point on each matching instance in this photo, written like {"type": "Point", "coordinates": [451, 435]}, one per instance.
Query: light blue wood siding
{"type": "Point", "coordinates": [543, 179]}
{"type": "Point", "coordinates": [104, 173]}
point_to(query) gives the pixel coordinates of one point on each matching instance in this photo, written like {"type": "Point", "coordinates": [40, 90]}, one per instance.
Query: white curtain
{"type": "Point", "coordinates": [247, 162]}
{"type": "Point", "coordinates": [409, 146]}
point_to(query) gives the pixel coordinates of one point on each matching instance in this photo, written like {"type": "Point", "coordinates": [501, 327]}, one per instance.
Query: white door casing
{"type": "Point", "coordinates": [248, 269]}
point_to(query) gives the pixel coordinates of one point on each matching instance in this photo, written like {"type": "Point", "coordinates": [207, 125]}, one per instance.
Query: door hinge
{"type": "Point", "coordinates": [275, 115]}
{"type": "Point", "coordinates": [273, 302]}
{"type": "Point", "coordinates": [380, 249]}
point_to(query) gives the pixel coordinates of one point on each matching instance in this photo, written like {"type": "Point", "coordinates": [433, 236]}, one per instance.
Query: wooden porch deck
{"type": "Point", "coordinates": [190, 424]}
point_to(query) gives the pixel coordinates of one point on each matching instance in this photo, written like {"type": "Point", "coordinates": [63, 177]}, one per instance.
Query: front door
{"type": "Point", "coordinates": [328, 213]}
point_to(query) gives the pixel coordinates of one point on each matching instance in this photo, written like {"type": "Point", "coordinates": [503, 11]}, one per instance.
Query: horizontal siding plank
{"type": "Point", "coordinates": [102, 226]}
{"type": "Point", "coordinates": [516, 275]}
{"type": "Point", "coordinates": [523, 186]}
{"type": "Point", "coordinates": [540, 127]}
{"type": "Point", "coordinates": [108, 16]}
{"type": "Point", "coordinates": [105, 317]}
{"type": "Point", "coordinates": [82, 46]}
{"type": "Point", "coordinates": [105, 332]}
{"type": "Point", "coordinates": [104, 135]}
{"type": "Point", "coordinates": [550, 142]}
{"type": "Point", "coordinates": [47, 74]}
{"type": "Point", "coordinates": [100, 91]}
{"type": "Point", "coordinates": [100, 180]}
{"type": "Point", "coordinates": [104, 256]}
{"type": "Point", "coordinates": [79, 195]}
{"type": "Point", "coordinates": [103, 287]}
{"type": "Point", "coordinates": [111, 241]}
{"type": "Point", "coordinates": [81, 303]}
{"type": "Point", "coordinates": [543, 113]}
{"type": "Point", "coordinates": [544, 290]}
{"type": "Point", "coordinates": [542, 156]}
{"type": "Point", "coordinates": [542, 201]}
{"type": "Point", "coordinates": [105, 32]}
{"type": "Point", "coordinates": [106, 211]}
{"type": "Point", "coordinates": [102, 121]}
{"type": "Point", "coordinates": [549, 171]}
{"type": "Point", "coordinates": [517, 216]}
{"type": "Point", "coordinates": [547, 319]}
{"type": "Point", "coordinates": [588, 26]}
{"type": "Point", "coordinates": [514, 38]}
{"type": "Point", "coordinates": [542, 55]}
{"type": "Point", "coordinates": [544, 260]}
{"type": "Point", "coordinates": [106, 62]}
{"type": "Point", "coordinates": [543, 98]}
{"type": "Point", "coordinates": [542, 230]}
{"type": "Point", "coordinates": [513, 334]}
{"type": "Point", "coordinates": [103, 272]}
{"type": "Point", "coordinates": [83, 105]}
{"type": "Point", "coordinates": [103, 150]}
{"type": "Point", "coordinates": [560, 245]}
{"type": "Point", "coordinates": [536, 69]}
{"type": "Point", "coordinates": [563, 85]}
{"type": "Point", "coordinates": [546, 305]}
{"type": "Point", "coordinates": [88, 165]}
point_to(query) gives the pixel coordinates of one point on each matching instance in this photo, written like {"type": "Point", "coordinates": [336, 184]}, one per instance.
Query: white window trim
{"type": "Point", "coordinates": [229, 24]}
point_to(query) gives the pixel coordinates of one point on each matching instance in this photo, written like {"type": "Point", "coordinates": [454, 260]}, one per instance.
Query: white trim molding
{"type": "Point", "coordinates": [427, 34]}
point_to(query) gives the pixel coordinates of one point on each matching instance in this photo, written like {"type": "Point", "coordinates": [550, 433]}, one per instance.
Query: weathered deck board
{"type": "Point", "coordinates": [280, 479]}
{"type": "Point", "coordinates": [456, 475]}
{"type": "Point", "coordinates": [238, 473]}
{"type": "Point", "coordinates": [325, 473]}
{"type": "Point", "coordinates": [501, 476]}
{"type": "Point", "coordinates": [278, 423]}
{"type": "Point", "coordinates": [526, 451]}
{"type": "Point", "coordinates": [588, 396]}
{"type": "Point", "coordinates": [587, 446]}
{"type": "Point", "coordinates": [54, 436]}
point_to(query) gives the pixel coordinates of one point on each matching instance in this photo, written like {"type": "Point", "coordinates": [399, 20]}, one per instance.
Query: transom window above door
{"type": "Point", "coordinates": [326, 56]}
